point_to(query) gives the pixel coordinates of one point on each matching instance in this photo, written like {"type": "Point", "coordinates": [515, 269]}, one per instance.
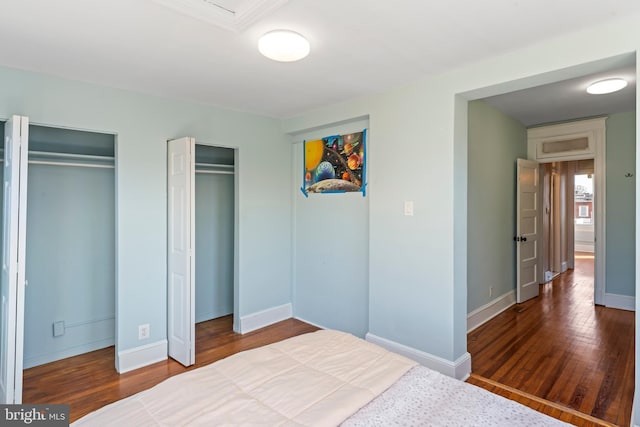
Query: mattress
{"type": "Point", "coordinates": [323, 378]}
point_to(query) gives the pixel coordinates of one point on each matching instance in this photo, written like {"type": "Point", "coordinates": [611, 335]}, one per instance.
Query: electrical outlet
{"type": "Point", "coordinates": [491, 291]}
{"type": "Point", "coordinates": [143, 331]}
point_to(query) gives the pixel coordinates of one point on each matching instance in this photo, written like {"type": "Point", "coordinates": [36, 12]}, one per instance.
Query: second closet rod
{"type": "Point", "coordinates": [79, 165]}
{"type": "Point", "coordinates": [214, 172]}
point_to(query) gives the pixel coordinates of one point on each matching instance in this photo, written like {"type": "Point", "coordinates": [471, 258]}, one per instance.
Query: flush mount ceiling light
{"type": "Point", "coordinates": [283, 46]}
{"type": "Point", "coordinates": [606, 86]}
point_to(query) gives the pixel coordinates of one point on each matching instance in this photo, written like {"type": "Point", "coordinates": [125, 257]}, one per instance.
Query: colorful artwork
{"type": "Point", "coordinates": [335, 164]}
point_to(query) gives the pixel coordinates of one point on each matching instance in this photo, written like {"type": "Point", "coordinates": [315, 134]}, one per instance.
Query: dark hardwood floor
{"type": "Point", "coordinates": [89, 381]}
{"type": "Point", "coordinates": [561, 348]}
{"type": "Point", "coordinates": [552, 409]}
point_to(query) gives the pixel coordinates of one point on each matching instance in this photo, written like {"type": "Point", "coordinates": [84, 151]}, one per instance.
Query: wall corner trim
{"type": "Point", "coordinates": [459, 369]}
{"type": "Point", "coordinates": [138, 357]}
{"type": "Point", "coordinates": [483, 314]}
{"type": "Point", "coordinates": [317, 325]}
{"type": "Point", "coordinates": [622, 302]}
{"type": "Point", "coordinates": [263, 318]}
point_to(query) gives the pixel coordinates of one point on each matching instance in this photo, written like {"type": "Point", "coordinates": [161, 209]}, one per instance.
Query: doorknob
{"type": "Point", "coordinates": [519, 239]}
{"type": "Point", "coordinates": [524, 239]}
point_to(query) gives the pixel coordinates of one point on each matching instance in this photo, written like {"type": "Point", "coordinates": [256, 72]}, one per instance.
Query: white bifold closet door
{"type": "Point", "coordinates": [181, 258]}
{"type": "Point", "coordinates": [13, 258]}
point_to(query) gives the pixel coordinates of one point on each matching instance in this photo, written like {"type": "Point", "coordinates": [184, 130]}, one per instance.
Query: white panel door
{"type": "Point", "coordinates": [13, 258]}
{"type": "Point", "coordinates": [181, 257]}
{"type": "Point", "coordinates": [526, 238]}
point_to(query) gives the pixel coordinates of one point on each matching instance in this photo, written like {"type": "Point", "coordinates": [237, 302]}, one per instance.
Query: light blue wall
{"type": "Point", "coordinates": [143, 124]}
{"type": "Point", "coordinates": [418, 151]}
{"type": "Point", "coordinates": [214, 245]}
{"type": "Point", "coordinates": [331, 248]}
{"type": "Point", "coordinates": [70, 261]}
{"type": "Point", "coordinates": [495, 142]}
{"type": "Point", "coordinates": [621, 202]}
{"type": "Point", "coordinates": [410, 265]}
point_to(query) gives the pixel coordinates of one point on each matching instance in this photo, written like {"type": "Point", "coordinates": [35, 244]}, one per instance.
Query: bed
{"type": "Point", "coordinates": [323, 378]}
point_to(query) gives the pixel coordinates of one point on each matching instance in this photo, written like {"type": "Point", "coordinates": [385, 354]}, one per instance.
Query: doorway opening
{"type": "Point", "coordinates": [67, 233]}
{"type": "Point", "coordinates": [70, 244]}
{"type": "Point", "coordinates": [583, 213]}
{"type": "Point", "coordinates": [202, 240]}
{"type": "Point", "coordinates": [568, 216]}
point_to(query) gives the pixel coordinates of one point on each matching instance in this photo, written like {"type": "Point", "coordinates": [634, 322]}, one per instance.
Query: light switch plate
{"type": "Point", "coordinates": [408, 208]}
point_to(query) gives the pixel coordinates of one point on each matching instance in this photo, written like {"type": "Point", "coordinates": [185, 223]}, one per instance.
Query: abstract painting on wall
{"type": "Point", "coordinates": [335, 164]}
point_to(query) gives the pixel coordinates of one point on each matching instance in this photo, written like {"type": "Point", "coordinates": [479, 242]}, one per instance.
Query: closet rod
{"type": "Point", "coordinates": [80, 165]}
{"type": "Point", "coordinates": [215, 172]}
{"type": "Point", "coordinates": [216, 165]}
{"type": "Point", "coordinates": [70, 155]}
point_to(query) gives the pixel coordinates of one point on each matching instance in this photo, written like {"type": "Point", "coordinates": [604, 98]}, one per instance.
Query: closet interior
{"type": "Point", "coordinates": [70, 244]}
{"type": "Point", "coordinates": [214, 230]}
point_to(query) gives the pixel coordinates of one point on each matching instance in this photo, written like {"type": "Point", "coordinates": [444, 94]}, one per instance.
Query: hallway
{"type": "Point", "coordinates": [562, 348]}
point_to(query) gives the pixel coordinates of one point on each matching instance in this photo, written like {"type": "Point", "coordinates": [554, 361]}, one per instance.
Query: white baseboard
{"type": "Point", "coordinates": [460, 369]}
{"type": "Point", "coordinates": [263, 318]}
{"type": "Point", "coordinates": [134, 358]}
{"type": "Point", "coordinates": [488, 311]}
{"type": "Point", "coordinates": [623, 302]}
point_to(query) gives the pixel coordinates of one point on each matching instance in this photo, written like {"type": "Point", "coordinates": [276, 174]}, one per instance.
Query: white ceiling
{"type": "Point", "coordinates": [568, 99]}
{"type": "Point", "coordinates": [358, 47]}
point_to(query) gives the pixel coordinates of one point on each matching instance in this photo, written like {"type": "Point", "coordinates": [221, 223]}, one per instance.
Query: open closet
{"type": "Point", "coordinates": [201, 219]}
{"type": "Point", "coordinates": [214, 216]}
{"type": "Point", "coordinates": [69, 298]}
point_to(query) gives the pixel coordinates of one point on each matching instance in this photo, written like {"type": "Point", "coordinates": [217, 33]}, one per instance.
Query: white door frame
{"type": "Point", "coordinates": [13, 258]}
{"type": "Point", "coordinates": [594, 130]}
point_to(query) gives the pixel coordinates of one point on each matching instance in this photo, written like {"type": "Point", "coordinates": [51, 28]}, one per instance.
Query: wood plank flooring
{"type": "Point", "coordinates": [89, 381]}
{"type": "Point", "coordinates": [554, 410]}
{"type": "Point", "coordinates": [561, 348]}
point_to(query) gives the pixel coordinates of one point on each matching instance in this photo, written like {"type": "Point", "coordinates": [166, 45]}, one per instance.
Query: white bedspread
{"type": "Point", "coordinates": [423, 397]}
{"type": "Point", "coordinates": [316, 379]}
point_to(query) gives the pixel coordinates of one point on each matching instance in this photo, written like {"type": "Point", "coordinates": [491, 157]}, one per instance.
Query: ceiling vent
{"type": "Point", "coordinates": [232, 15]}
